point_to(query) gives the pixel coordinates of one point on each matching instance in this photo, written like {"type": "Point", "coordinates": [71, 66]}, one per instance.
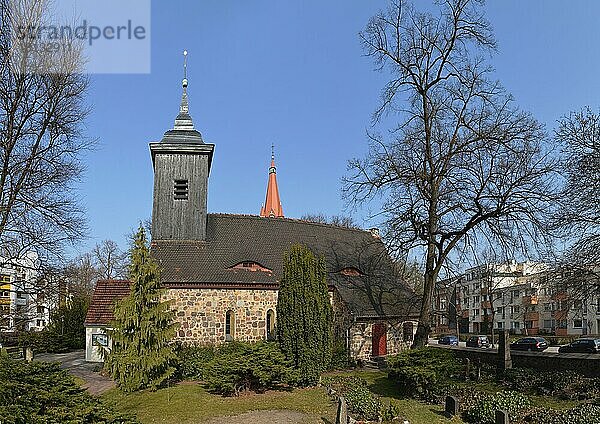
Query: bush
{"type": "Point", "coordinates": [564, 384]}
{"type": "Point", "coordinates": [238, 367]}
{"type": "Point", "coordinates": [583, 414]}
{"type": "Point", "coordinates": [362, 403]}
{"type": "Point", "coordinates": [421, 372]}
{"type": "Point", "coordinates": [340, 358]}
{"type": "Point", "coordinates": [193, 360]}
{"type": "Point", "coordinates": [40, 392]}
{"type": "Point", "coordinates": [483, 411]}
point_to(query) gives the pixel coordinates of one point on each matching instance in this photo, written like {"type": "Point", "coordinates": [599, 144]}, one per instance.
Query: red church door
{"type": "Point", "coordinates": [379, 339]}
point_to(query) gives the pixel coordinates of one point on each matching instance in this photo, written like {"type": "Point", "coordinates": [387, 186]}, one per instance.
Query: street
{"type": "Point", "coordinates": [433, 342]}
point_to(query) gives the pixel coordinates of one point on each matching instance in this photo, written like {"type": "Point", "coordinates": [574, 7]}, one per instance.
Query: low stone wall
{"type": "Point", "coordinates": [587, 364]}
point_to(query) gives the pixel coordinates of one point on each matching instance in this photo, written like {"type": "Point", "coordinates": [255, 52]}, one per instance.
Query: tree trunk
{"type": "Point", "coordinates": [424, 327]}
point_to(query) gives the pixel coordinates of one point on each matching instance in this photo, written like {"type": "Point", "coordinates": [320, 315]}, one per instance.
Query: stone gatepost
{"type": "Point", "coordinates": [504, 361]}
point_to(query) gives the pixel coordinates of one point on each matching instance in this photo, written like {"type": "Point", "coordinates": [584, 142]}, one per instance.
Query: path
{"type": "Point", "coordinates": [75, 363]}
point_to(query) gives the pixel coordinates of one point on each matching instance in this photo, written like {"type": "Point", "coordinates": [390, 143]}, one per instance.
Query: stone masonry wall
{"type": "Point", "coordinates": [361, 336]}
{"type": "Point", "coordinates": [201, 313]}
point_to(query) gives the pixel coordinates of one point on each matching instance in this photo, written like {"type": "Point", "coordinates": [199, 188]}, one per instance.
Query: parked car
{"type": "Point", "coordinates": [448, 340]}
{"type": "Point", "coordinates": [583, 345]}
{"type": "Point", "coordinates": [478, 341]}
{"type": "Point", "coordinates": [530, 343]}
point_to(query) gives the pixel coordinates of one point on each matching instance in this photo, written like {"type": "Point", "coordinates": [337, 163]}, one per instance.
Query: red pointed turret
{"type": "Point", "coordinates": [272, 207]}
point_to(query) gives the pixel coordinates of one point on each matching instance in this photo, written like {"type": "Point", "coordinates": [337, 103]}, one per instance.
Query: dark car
{"type": "Point", "coordinates": [587, 345]}
{"type": "Point", "coordinates": [530, 343]}
{"type": "Point", "coordinates": [448, 340]}
{"type": "Point", "coordinates": [478, 341]}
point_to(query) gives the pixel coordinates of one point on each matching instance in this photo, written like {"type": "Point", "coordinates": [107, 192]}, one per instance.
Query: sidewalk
{"type": "Point", "coordinates": [75, 363]}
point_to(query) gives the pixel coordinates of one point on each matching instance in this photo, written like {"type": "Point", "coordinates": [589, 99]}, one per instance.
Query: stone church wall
{"type": "Point", "coordinates": [201, 313]}
{"type": "Point", "coordinates": [361, 337]}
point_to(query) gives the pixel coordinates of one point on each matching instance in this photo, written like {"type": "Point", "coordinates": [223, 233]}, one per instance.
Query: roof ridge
{"type": "Point", "coordinates": [301, 221]}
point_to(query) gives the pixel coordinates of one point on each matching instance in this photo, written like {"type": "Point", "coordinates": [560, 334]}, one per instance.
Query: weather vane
{"type": "Point", "coordinates": [185, 67]}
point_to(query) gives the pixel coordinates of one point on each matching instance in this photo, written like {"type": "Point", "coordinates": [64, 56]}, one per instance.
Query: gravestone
{"type": "Point", "coordinates": [501, 417]}
{"type": "Point", "coordinates": [342, 412]}
{"type": "Point", "coordinates": [451, 406]}
{"type": "Point", "coordinates": [504, 361]}
{"type": "Point", "coordinates": [467, 368]}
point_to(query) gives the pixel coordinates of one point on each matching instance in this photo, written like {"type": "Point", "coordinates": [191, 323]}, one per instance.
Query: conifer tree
{"type": "Point", "coordinates": [142, 355]}
{"type": "Point", "coordinates": [304, 314]}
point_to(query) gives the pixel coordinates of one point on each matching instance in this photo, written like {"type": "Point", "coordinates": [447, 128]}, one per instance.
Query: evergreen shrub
{"type": "Point", "coordinates": [142, 354]}
{"type": "Point", "coordinates": [421, 372]}
{"type": "Point", "coordinates": [237, 367]}
{"type": "Point", "coordinates": [39, 392]}
{"type": "Point", "coordinates": [304, 314]}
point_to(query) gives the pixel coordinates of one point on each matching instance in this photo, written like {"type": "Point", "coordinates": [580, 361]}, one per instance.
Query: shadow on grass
{"type": "Point", "coordinates": [385, 387]}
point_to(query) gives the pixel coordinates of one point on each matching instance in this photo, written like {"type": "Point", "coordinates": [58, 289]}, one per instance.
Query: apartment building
{"type": "Point", "coordinates": [521, 297]}
{"type": "Point", "coordinates": [26, 299]}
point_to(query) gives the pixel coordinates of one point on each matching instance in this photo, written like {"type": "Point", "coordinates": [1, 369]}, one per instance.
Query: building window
{"type": "Point", "coordinates": [548, 323]}
{"type": "Point", "coordinates": [229, 326]}
{"type": "Point", "coordinates": [180, 189]}
{"type": "Point", "coordinates": [270, 324]}
{"type": "Point", "coordinates": [577, 323]}
{"type": "Point", "coordinates": [500, 324]}
{"type": "Point", "coordinates": [40, 309]}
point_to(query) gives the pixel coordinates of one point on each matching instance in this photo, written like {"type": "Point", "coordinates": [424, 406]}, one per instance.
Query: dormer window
{"type": "Point", "coordinates": [351, 272]}
{"type": "Point", "coordinates": [251, 266]}
{"type": "Point", "coordinates": [180, 189]}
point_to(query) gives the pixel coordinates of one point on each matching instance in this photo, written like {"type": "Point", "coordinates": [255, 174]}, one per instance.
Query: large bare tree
{"type": "Point", "coordinates": [579, 214]}
{"type": "Point", "coordinates": [462, 163]}
{"type": "Point", "coordinates": [41, 115]}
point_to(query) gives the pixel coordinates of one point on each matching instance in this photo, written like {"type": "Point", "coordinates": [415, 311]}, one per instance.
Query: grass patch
{"type": "Point", "coordinates": [191, 403]}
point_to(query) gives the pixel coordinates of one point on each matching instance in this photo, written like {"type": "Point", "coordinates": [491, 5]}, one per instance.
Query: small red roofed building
{"type": "Point", "coordinates": [100, 314]}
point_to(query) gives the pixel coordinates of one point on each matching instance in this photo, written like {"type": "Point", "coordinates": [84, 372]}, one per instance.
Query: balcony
{"type": "Point", "coordinates": [529, 300]}
{"type": "Point", "coordinates": [559, 315]}
{"type": "Point", "coordinates": [532, 316]}
{"type": "Point", "coordinates": [486, 304]}
{"type": "Point", "coordinates": [465, 314]}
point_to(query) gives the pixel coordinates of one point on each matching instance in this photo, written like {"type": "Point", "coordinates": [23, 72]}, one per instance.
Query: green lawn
{"type": "Point", "coordinates": [190, 403]}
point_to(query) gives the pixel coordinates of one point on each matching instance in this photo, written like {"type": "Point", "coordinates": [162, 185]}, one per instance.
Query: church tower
{"type": "Point", "coordinates": [181, 162]}
{"type": "Point", "coordinates": [272, 207]}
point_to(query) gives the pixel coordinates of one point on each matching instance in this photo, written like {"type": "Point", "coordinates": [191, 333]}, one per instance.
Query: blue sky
{"type": "Point", "coordinates": [293, 73]}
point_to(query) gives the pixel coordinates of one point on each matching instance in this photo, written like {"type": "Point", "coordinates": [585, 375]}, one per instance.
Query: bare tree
{"type": "Point", "coordinates": [463, 163]}
{"type": "Point", "coordinates": [579, 213]}
{"type": "Point", "coordinates": [81, 273]}
{"type": "Point", "coordinates": [338, 220]}
{"type": "Point", "coordinates": [110, 260]}
{"type": "Point", "coordinates": [41, 114]}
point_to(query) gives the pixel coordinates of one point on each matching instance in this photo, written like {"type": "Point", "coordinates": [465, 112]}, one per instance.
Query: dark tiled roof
{"type": "Point", "coordinates": [232, 239]}
{"type": "Point", "coordinates": [106, 293]}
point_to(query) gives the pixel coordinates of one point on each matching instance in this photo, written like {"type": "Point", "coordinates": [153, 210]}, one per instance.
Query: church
{"type": "Point", "coordinates": [221, 272]}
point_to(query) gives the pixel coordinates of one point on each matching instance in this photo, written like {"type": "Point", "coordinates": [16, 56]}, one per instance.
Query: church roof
{"type": "Point", "coordinates": [106, 293]}
{"type": "Point", "coordinates": [247, 251]}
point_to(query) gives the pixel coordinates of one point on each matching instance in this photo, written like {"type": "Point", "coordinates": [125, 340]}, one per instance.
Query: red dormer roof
{"type": "Point", "coordinates": [106, 293]}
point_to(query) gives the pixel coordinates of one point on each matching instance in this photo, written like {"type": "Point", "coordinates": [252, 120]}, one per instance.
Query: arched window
{"type": "Point", "coordinates": [270, 325]}
{"type": "Point", "coordinates": [229, 325]}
